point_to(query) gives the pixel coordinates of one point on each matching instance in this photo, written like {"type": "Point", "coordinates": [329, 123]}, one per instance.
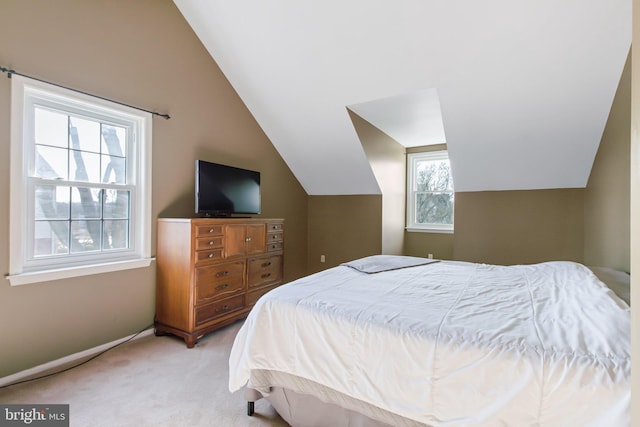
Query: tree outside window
{"type": "Point", "coordinates": [87, 217]}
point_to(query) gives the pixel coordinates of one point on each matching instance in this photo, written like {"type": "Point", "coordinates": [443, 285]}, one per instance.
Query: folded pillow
{"type": "Point", "coordinates": [379, 263]}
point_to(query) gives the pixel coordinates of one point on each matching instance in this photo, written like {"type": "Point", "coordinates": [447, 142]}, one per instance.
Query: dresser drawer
{"type": "Point", "coordinates": [264, 271]}
{"type": "Point", "coordinates": [275, 226]}
{"type": "Point", "coordinates": [203, 257]}
{"type": "Point", "coordinates": [208, 312]}
{"type": "Point", "coordinates": [275, 237]}
{"type": "Point", "coordinates": [254, 296]}
{"type": "Point", "coordinates": [218, 281]}
{"type": "Point", "coordinates": [275, 246]}
{"type": "Point", "coordinates": [209, 230]}
{"type": "Point", "coordinates": [209, 242]}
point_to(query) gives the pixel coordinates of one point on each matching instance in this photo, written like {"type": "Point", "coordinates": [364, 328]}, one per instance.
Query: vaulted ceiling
{"type": "Point", "coordinates": [520, 91]}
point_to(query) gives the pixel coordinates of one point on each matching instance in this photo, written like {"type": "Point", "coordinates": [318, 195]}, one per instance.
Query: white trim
{"type": "Point", "coordinates": [17, 230]}
{"type": "Point", "coordinates": [83, 270]}
{"type": "Point", "coordinates": [144, 187]}
{"type": "Point", "coordinates": [428, 230]}
{"type": "Point", "coordinates": [40, 369]}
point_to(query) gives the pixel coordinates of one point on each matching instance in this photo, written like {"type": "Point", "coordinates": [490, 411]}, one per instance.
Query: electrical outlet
{"type": "Point", "coordinates": [430, 256]}
{"type": "Point", "coordinates": [322, 258]}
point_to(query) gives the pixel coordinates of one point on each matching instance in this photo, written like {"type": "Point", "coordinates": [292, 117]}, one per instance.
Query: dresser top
{"type": "Point", "coordinates": [222, 220]}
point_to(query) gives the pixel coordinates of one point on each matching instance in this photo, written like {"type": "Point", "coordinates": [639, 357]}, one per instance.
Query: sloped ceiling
{"type": "Point", "coordinates": [519, 90]}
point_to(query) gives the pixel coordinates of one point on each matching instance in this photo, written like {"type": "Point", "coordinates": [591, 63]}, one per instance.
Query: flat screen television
{"type": "Point", "coordinates": [223, 190]}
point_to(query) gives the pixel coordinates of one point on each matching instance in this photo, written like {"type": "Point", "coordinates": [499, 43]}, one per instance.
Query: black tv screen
{"type": "Point", "coordinates": [225, 190]}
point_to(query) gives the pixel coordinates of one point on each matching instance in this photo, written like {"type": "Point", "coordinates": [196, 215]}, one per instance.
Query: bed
{"type": "Point", "coordinates": [388, 340]}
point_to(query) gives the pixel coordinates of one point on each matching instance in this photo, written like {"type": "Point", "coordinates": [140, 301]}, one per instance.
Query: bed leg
{"type": "Point", "coordinates": [250, 408]}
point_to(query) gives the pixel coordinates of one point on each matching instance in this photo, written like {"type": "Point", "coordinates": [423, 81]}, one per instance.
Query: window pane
{"type": "Point", "coordinates": [116, 235]}
{"type": "Point", "coordinates": [116, 204]}
{"type": "Point", "coordinates": [69, 144]}
{"type": "Point", "coordinates": [52, 202]}
{"type": "Point", "coordinates": [434, 175]}
{"type": "Point", "coordinates": [113, 170]}
{"type": "Point", "coordinates": [85, 166]}
{"type": "Point", "coordinates": [51, 163]}
{"type": "Point", "coordinates": [85, 203]}
{"type": "Point", "coordinates": [51, 128]}
{"type": "Point", "coordinates": [85, 236]}
{"type": "Point", "coordinates": [434, 208]}
{"type": "Point", "coordinates": [50, 238]}
{"type": "Point", "coordinates": [114, 140]}
{"type": "Point", "coordinates": [84, 134]}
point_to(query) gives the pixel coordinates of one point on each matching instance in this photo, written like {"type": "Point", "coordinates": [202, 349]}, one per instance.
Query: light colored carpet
{"type": "Point", "coordinates": [152, 381]}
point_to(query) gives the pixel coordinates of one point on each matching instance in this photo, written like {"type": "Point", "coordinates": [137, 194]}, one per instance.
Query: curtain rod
{"type": "Point", "coordinates": [10, 72]}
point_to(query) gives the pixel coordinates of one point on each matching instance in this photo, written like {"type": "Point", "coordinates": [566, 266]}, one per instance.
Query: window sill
{"type": "Point", "coordinates": [85, 270]}
{"type": "Point", "coordinates": [428, 230]}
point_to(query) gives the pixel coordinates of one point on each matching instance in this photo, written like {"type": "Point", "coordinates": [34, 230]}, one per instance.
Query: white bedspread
{"type": "Point", "coordinates": [452, 344]}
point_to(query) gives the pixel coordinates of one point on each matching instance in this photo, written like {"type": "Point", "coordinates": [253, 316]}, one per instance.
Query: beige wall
{"type": "Point", "coordinates": [142, 53]}
{"type": "Point", "coordinates": [519, 227]}
{"type": "Point", "coordinates": [388, 162]}
{"type": "Point", "coordinates": [509, 227]}
{"type": "Point", "coordinates": [440, 245]}
{"type": "Point", "coordinates": [343, 228]}
{"type": "Point", "coordinates": [606, 199]}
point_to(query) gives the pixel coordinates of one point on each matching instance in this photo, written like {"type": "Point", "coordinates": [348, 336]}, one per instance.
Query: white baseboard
{"type": "Point", "coordinates": [49, 366]}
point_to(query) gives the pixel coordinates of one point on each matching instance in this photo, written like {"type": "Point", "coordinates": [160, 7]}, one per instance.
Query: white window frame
{"type": "Point", "coordinates": [23, 267]}
{"type": "Point", "coordinates": [412, 161]}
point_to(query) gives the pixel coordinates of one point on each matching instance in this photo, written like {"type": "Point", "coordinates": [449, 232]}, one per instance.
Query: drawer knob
{"type": "Point", "coordinates": [223, 308]}
{"type": "Point", "coordinates": [210, 255]}
{"type": "Point", "coordinates": [266, 264]}
{"type": "Point", "coordinates": [221, 287]}
{"type": "Point", "coordinates": [211, 230]}
{"type": "Point", "coordinates": [265, 275]}
{"type": "Point", "coordinates": [222, 273]}
{"type": "Point", "coordinates": [211, 243]}
{"type": "Point", "coordinates": [248, 239]}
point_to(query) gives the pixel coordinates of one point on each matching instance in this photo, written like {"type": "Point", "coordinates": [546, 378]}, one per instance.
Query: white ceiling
{"type": "Point", "coordinates": [414, 119]}
{"type": "Point", "coordinates": [521, 89]}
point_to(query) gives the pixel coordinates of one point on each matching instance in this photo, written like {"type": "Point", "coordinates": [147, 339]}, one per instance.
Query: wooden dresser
{"type": "Point", "coordinates": [210, 272]}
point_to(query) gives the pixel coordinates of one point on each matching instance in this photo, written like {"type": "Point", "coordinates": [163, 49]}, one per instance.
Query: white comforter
{"type": "Point", "coordinates": [452, 344]}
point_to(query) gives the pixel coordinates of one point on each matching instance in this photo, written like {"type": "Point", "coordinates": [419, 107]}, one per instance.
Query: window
{"type": "Point", "coordinates": [430, 194]}
{"type": "Point", "coordinates": [80, 184]}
